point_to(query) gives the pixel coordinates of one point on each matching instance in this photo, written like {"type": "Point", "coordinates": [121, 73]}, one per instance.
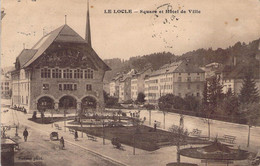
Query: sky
{"type": "Point", "coordinates": [215, 24]}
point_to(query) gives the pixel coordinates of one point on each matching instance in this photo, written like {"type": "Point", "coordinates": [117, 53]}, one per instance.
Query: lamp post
{"type": "Point", "coordinates": [65, 108]}
{"type": "Point", "coordinates": [81, 125]}
{"type": "Point", "coordinates": [103, 131]}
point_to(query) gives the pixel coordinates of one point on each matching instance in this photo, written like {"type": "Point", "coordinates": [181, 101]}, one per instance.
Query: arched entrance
{"type": "Point", "coordinates": [45, 103]}
{"type": "Point", "coordinates": [68, 102]}
{"type": "Point", "coordinates": [88, 103]}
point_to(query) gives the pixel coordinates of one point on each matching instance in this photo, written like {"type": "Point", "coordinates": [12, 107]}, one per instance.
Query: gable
{"type": "Point", "coordinates": [65, 35]}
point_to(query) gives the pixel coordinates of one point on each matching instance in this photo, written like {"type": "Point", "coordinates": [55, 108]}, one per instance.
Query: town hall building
{"type": "Point", "coordinates": [61, 71]}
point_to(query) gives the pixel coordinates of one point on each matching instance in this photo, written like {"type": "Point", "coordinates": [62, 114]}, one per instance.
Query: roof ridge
{"type": "Point", "coordinates": [31, 57]}
{"type": "Point", "coordinates": [47, 35]}
{"type": "Point", "coordinates": [59, 31]}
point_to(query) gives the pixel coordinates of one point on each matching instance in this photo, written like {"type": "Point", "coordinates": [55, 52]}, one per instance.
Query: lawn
{"type": "Point", "coordinates": [49, 120]}
{"type": "Point", "coordinates": [145, 139]}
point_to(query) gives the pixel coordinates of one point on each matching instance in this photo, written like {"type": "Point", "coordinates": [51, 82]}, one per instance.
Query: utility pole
{"type": "Point", "coordinates": [103, 132]}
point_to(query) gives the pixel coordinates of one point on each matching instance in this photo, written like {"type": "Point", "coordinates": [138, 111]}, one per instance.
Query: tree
{"type": "Point", "coordinates": [212, 97]}
{"type": "Point", "coordinates": [111, 101]}
{"type": "Point", "coordinates": [106, 96]}
{"type": "Point", "coordinates": [215, 93]}
{"type": "Point", "coordinates": [251, 112]}
{"type": "Point", "coordinates": [230, 105]}
{"type": "Point", "coordinates": [170, 101]}
{"type": "Point", "coordinates": [249, 92]}
{"type": "Point", "coordinates": [205, 95]}
{"type": "Point", "coordinates": [141, 97]}
{"type": "Point", "coordinates": [191, 103]}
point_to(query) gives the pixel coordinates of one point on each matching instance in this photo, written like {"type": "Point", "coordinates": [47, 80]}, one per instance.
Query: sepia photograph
{"type": "Point", "coordinates": [130, 82]}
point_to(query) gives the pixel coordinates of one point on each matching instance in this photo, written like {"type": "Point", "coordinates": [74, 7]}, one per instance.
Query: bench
{"type": "Point", "coordinates": [229, 139]}
{"type": "Point", "coordinates": [91, 137]}
{"type": "Point", "coordinates": [57, 126]}
{"type": "Point", "coordinates": [71, 131]}
{"type": "Point", "coordinates": [196, 132]}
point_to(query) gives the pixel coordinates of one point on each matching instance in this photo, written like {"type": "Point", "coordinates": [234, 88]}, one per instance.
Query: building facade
{"type": "Point", "coordinates": [61, 71]}
{"type": "Point", "coordinates": [138, 83]}
{"type": "Point", "coordinates": [125, 89]}
{"type": "Point", "coordinates": [178, 78]}
{"type": "Point", "coordinates": [6, 86]}
{"type": "Point", "coordinates": [114, 86]}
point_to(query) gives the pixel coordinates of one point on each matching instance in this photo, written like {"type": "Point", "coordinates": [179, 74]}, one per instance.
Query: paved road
{"type": "Point", "coordinates": [40, 146]}
{"type": "Point", "coordinates": [159, 157]}
{"type": "Point", "coordinates": [218, 128]}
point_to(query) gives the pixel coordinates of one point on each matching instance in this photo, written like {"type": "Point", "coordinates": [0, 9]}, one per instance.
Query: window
{"type": "Point", "coordinates": [188, 73]}
{"type": "Point", "coordinates": [198, 78]}
{"type": "Point", "coordinates": [67, 73]}
{"type": "Point", "coordinates": [89, 87]}
{"type": "Point", "coordinates": [179, 74]}
{"type": "Point", "coordinates": [198, 73]}
{"type": "Point", "coordinates": [56, 73]}
{"type": "Point", "coordinates": [45, 86]}
{"type": "Point", "coordinates": [189, 79]}
{"type": "Point", "coordinates": [188, 86]}
{"type": "Point", "coordinates": [78, 73]}
{"type": "Point", "coordinates": [179, 79]}
{"type": "Point", "coordinates": [198, 86]}
{"type": "Point", "coordinates": [70, 74]}
{"type": "Point", "coordinates": [89, 74]}
{"type": "Point", "coordinates": [198, 94]}
{"type": "Point", "coordinates": [60, 86]}
{"type": "Point", "coordinates": [45, 73]}
{"type": "Point", "coordinates": [70, 87]}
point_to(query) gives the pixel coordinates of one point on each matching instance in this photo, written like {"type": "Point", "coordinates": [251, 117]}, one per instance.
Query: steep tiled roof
{"type": "Point", "coordinates": [239, 71]}
{"type": "Point", "coordinates": [169, 68]}
{"type": "Point", "coordinates": [177, 67]}
{"type": "Point", "coordinates": [61, 34]}
{"type": "Point", "coordinates": [187, 67]}
{"type": "Point", "coordinates": [25, 56]}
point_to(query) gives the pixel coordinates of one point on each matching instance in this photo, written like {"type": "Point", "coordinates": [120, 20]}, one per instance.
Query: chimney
{"type": "Point", "coordinates": [88, 34]}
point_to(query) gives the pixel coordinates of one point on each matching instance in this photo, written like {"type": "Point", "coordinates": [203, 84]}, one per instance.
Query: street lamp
{"type": "Point", "coordinates": [65, 104]}
{"type": "Point", "coordinates": [164, 94]}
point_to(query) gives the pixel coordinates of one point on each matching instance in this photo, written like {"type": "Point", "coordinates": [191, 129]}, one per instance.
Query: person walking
{"type": "Point", "coordinates": [155, 125]}
{"type": "Point", "coordinates": [76, 135]}
{"type": "Point", "coordinates": [25, 134]}
{"type": "Point", "coordinates": [62, 144]}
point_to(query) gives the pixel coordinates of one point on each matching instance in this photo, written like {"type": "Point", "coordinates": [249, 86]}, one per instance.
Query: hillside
{"type": "Point", "coordinates": [243, 53]}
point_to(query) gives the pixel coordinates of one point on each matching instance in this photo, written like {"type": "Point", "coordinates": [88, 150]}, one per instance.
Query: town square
{"type": "Point", "coordinates": [101, 83]}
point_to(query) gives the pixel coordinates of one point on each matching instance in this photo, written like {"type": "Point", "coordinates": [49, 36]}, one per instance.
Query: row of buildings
{"type": "Point", "coordinates": [180, 79]}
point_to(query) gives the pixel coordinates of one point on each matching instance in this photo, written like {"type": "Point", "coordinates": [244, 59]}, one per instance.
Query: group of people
{"type": "Point", "coordinates": [22, 109]}
{"type": "Point", "coordinates": [134, 114]}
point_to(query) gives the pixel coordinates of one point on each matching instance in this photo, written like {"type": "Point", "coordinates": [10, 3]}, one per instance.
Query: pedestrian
{"type": "Point", "coordinates": [25, 134]}
{"type": "Point", "coordinates": [76, 135]}
{"type": "Point", "coordinates": [155, 125]}
{"type": "Point", "coordinates": [62, 145]}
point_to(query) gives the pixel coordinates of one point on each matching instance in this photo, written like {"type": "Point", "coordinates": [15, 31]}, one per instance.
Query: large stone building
{"type": "Point", "coordinates": [178, 78]}
{"type": "Point", "coordinates": [6, 86]}
{"type": "Point", "coordinates": [137, 83]}
{"type": "Point", "coordinates": [232, 77]}
{"type": "Point", "coordinates": [61, 71]}
{"type": "Point", "coordinates": [125, 86]}
{"type": "Point", "coordinates": [114, 86]}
